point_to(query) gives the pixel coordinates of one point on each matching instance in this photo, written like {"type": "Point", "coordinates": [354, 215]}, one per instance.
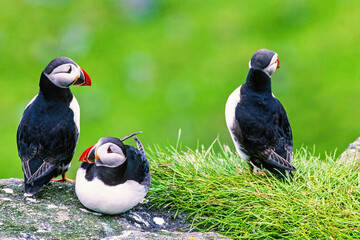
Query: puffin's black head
{"type": "Point", "coordinates": [64, 72]}
{"type": "Point", "coordinates": [265, 60]}
{"type": "Point", "coordinates": [108, 152]}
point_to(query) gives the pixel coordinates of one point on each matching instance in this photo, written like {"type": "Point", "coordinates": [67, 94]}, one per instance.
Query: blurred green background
{"type": "Point", "coordinates": [158, 66]}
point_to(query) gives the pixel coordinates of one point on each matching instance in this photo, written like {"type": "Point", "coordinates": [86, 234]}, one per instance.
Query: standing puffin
{"type": "Point", "coordinates": [49, 128]}
{"type": "Point", "coordinates": [113, 177]}
{"type": "Point", "coordinates": [257, 121]}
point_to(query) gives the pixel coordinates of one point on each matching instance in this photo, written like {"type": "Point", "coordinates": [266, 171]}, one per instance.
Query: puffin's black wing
{"type": "Point", "coordinates": [45, 142]}
{"type": "Point", "coordinates": [284, 125]}
{"type": "Point", "coordinates": [279, 152]}
{"type": "Point", "coordinates": [138, 166]}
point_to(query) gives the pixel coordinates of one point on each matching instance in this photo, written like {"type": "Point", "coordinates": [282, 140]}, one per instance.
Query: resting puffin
{"type": "Point", "coordinates": [49, 128]}
{"type": "Point", "coordinates": [257, 121]}
{"type": "Point", "coordinates": [113, 177]}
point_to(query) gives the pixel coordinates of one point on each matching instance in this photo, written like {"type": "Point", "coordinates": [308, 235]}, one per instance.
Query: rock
{"type": "Point", "coordinates": [352, 154]}
{"type": "Point", "coordinates": [137, 235]}
{"type": "Point", "coordinates": [55, 213]}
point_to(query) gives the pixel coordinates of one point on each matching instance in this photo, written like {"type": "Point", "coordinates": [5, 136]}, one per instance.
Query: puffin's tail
{"type": "Point", "coordinates": [278, 161]}
{"type": "Point", "coordinates": [280, 165]}
{"type": "Point", "coordinates": [34, 187]}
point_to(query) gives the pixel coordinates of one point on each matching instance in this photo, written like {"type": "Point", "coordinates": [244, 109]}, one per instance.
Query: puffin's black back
{"type": "Point", "coordinates": [47, 135]}
{"type": "Point", "coordinates": [136, 168]}
{"type": "Point", "coordinates": [262, 122]}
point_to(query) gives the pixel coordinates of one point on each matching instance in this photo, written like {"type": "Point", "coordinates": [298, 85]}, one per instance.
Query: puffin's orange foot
{"type": "Point", "coordinates": [259, 173]}
{"type": "Point", "coordinates": [63, 179]}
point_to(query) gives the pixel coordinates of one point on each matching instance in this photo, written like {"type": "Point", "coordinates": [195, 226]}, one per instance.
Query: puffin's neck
{"type": "Point", "coordinates": [120, 170]}
{"type": "Point", "coordinates": [112, 176]}
{"type": "Point", "coordinates": [50, 91]}
{"type": "Point", "coordinates": [258, 81]}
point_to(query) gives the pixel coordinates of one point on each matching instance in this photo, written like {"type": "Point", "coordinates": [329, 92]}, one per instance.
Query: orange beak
{"type": "Point", "coordinates": [88, 155]}
{"type": "Point", "coordinates": [84, 79]}
{"type": "Point", "coordinates": [278, 64]}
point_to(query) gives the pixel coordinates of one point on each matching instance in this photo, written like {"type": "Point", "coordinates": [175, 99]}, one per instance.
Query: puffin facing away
{"type": "Point", "coordinates": [49, 128]}
{"type": "Point", "coordinates": [257, 121]}
{"type": "Point", "coordinates": [113, 177]}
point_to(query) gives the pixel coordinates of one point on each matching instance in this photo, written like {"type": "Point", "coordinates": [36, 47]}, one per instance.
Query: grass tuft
{"type": "Point", "coordinates": [217, 191]}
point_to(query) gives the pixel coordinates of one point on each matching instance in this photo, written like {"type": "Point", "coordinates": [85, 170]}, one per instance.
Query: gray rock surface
{"type": "Point", "coordinates": [352, 154]}
{"type": "Point", "coordinates": [56, 213]}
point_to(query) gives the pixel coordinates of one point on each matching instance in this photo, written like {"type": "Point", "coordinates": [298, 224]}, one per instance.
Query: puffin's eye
{"type": "Point", "coordinates": [109, 150]}
{"type": "Point", "coordinates": [69, 71]}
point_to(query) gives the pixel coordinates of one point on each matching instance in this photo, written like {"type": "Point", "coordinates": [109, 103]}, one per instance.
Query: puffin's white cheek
{"type": "Point", "coordinates": [63, 79]}
{"type": "Point", "coordinates": [60, 80]}
{"type": "Point", "coordinates": [271, 69]}
{"type": "Point", "coordinates": [122, 159]}
{"type": "Point", "coordinates": [110, 160]}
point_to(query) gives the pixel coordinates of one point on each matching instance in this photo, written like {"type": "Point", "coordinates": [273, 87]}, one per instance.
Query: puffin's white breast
{"type": "Point", "coordinates": [74, 106]}
{"type": "Point", "coordinates": [31, 101]}
{"type": "Point", "coordinates": [230, 108]}
{"type": "Point", "coordinates": [99, 197]}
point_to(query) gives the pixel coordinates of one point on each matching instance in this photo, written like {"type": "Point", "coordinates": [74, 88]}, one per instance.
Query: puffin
{"type": "Point", "coordinates": [113, 177]}
{"type": "Point", "coordinates": [49, 129]}
{"type": "Point", "coordinates": [257, 121]}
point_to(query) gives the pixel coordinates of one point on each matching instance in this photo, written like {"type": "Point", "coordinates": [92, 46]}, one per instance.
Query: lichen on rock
{"type": "Point", "coordinates": [55, 213]}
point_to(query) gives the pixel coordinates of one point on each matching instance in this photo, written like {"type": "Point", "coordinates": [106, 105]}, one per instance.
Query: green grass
{"type": "Point", "coordinates": [218, 192]}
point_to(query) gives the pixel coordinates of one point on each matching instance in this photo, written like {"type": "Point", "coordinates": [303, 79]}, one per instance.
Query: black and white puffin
{"type": "Point", "coordinates": [257, 121]}
{"type": "Point", "coordinates": [113, 177]}
{"type": "Point", "coordinates": [49, 128]}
